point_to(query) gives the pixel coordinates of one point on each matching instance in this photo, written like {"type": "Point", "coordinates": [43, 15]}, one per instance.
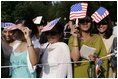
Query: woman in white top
{"type": "Point", "coordinates": [105, 30]}
{"type": "Point", "coordinates": [56, 55]}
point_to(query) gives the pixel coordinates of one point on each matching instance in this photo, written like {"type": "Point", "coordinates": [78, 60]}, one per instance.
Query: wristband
{"type": "Point", "coordinates": [75, 45]}
{"type": "Point", "coordinates": [30, 45]}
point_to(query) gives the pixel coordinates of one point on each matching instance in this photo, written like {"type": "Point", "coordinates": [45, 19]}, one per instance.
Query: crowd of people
{"type": "Point", "coordinates": [29, 53]}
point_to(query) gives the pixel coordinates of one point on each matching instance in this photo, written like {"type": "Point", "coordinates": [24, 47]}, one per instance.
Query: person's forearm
{"type": "Point", "coordinates": [75, 54]}
{"type": "Point", "coordinates": [32, 53]}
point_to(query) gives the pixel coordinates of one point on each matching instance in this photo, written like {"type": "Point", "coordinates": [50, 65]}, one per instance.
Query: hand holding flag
{"type": "Point", "coordinates": [37, 20]}
{"type": "Point", "coordinates": [78, 10]}
{"type": "Point", "coordinates": [8, 25]}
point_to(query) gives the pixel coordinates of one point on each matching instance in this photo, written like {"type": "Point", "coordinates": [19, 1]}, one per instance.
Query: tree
{"type": "Point", "coordinates": [12, 10]}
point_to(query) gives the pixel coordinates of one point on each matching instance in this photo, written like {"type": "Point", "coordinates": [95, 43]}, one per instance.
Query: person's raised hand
{"type": "Point", "coordinates": [26, 31]}
{"type": "Point", "coordinates": [75, 32]}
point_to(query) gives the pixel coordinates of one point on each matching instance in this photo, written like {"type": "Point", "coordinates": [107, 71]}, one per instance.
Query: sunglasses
{"type": "Point", "coordinates": [103, 24]}
{"type": "Point", "coordinates": [52, 33]}
{"type": "Point", "coordinates": [83, 21]}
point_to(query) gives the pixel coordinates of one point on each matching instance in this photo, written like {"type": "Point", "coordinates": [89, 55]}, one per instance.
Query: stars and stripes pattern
{"type": "Point", "coordinates": [78, 10]}
{"type": "Point", "coordinates": [50, 25]}
{"type": "Point", "coordinates": [98, 68]}
{"type": "Point", "coordinates": [100, 14]}
{"type": "Point", "coordinates": [8, 25]}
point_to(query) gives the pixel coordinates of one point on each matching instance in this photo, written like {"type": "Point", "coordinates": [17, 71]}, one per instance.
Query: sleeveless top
{"type": "Point", "coordinates": [22, 71]}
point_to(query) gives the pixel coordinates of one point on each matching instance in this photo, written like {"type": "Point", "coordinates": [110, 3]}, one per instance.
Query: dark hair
{"type": "Point", "coordinates": [18, 34]}
{"type": "Point", "coordinates": [87, 19]}
{"type": "Point", "coordinates": [28, 23]}
{"type": "Point", "coordinates": [2, 29]}
{"type": "Point", "coordinates": [43, 38]}
{"type": "Point", "coordinates": [109, 30]}
{"type": "Point", "coordinates": [59, 29]}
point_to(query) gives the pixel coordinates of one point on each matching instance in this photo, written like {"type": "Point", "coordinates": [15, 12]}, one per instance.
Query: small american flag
{"type": "Point", "coordinates": [50, 25]}
{"type": "Point", "coordinates": [8, 25]}
{"type": "Point", "coordinates": [78, 10]}
{"type": "Point", "coordinates": [98, 68]}
{"type": "Point", "coordinates": [100, 14]}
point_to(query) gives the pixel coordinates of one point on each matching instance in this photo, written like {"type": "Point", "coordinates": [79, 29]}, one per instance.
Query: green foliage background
{"type": "Point", "coordinates": [12, 10]}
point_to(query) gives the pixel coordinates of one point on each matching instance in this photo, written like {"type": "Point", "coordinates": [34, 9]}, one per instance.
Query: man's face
{"type": "Point", "coordinates": [8, 35]}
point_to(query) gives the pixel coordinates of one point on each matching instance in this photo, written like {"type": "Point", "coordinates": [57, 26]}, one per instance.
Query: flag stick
{"type": "Point", "coordinates": [76, 21]}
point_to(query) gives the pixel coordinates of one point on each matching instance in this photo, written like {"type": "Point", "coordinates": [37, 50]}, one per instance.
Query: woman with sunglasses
{"type": "Point", "coordinates": [56, 55]}
{"type": "Point", "coordinates": [105, 29]}
{"type": "Point", "coordinates": [83, 36]}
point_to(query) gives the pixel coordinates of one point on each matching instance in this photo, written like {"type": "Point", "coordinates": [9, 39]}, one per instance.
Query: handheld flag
{"type": "Point", "coordinates": [50, 25]}
{"type": "Point", "coordinates": [8, 25]}
{"type": "Point", "coordinates": [78, 10]}
{"type": "Point", "coordinates": [98, 68]}
{"type": "Point", "coordinates": [100, 14]}
{"type": "Point", "coordinates": [37, 20]}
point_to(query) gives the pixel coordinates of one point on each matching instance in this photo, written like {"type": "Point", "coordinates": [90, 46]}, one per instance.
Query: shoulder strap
{"type": "Point", "coordinates": [45, 49]}
{"type": "Point", "coordinates": [43, 53]}
{"type": "Point", "coordinates": [16, 45]}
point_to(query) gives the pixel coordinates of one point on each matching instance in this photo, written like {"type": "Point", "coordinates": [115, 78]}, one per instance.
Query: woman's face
{"type": "Point", "coordinates": [85, 26]}
{"type": "Point", "coordinates": [53, 37]}
{"type": "Point", "coordinates": [8, 35]}
{"type": "Point", "coordinates": [102, 28]}
{"type": "Point", "coordinates": [40, 28]}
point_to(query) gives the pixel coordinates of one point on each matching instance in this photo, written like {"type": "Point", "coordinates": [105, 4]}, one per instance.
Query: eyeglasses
{"type": "Point", "coordinates": [83, 21]}
{"type": "Point", "coordinates": [52, 33]}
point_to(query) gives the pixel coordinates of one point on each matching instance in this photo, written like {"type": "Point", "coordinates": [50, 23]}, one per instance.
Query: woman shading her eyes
{"type": "Point", "coordinates": [24, 56]}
